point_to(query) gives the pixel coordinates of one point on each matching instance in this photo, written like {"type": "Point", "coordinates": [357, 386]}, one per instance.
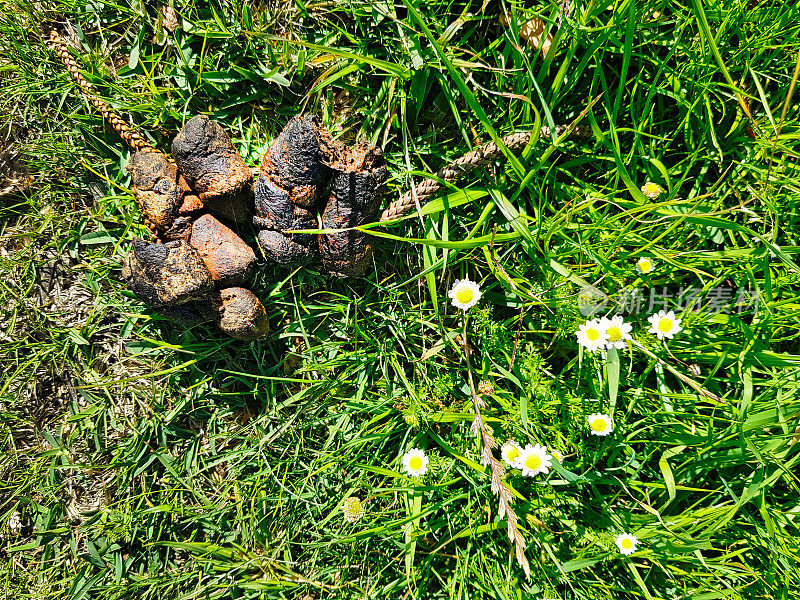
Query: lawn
{"type": "Point", "coordinates": [146, 459]}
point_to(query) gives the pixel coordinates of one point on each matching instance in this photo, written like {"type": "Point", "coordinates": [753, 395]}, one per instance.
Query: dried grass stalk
{"type": "Point", "coordinates": [498, 487]}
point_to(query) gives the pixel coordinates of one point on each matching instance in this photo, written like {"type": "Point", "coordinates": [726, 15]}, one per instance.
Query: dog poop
{"type": "Point", "coordinates": [211, 165]}
{"type": "Point", "coordinates": [198, 269]}
{"type": "Point", "coordinates": [229, 260]}
{"type": "Point", "coordinates": [357, 174]}
{"type": "Point", "coordinates": [156, 189]}
{"type": "Point", "coordinates": [166, 274]}
{"type": "Point", "coordinates": [242, 316]}
{"type": "Point", "coordinates": [306, 172]}
{"type": "Point", "coordinates": [287, 192]}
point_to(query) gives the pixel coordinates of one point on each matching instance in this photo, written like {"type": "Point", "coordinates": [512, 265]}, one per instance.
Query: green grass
{"type": "Point", "coordinates": [146, 460]}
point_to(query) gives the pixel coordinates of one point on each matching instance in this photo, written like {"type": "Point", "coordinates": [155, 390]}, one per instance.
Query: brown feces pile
{"type": "Point", "coordinates": [199, 269]}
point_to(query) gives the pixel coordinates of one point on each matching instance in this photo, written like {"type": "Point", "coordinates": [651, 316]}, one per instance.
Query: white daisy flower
{"type": "Point", "coordinates": [591, 335]}
{"type": "Point", "coordinates": [664, 324]}
{"type": "Point", "coordinates": [557, 455]}
{"type": "Point", "coordinates": [617, 331]}
{"type": "Point", "coordinates": [510, 452]}
{"type": "Point", "coordinates": [600, 424]}
{"type": "Point", "coordinates": [415, 462]}
{"type": "Point", "coordinates": [652, 190]}
{"type": "Point", "coordinates": [353, 509]}
{"type": "Point", "coordinates": [534, 460]}
{"type": "Point", "coordinates": [645, 265]}
{"type": "Point", "coordinates": [626, 543]}
{"type": "Point", "coordinates": [464, 294]}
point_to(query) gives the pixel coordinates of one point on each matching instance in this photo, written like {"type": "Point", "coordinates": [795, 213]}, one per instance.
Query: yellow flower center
{"type": "Point", "coordinates": [627, 544]}
{"type": "Point", "coordinates": [464, 295]}
{"type": "Point", "coordinates": [533, 462]}
{"type": "Point", "coordinates": [512, 453]}
{"type": "Point", "coordinates": [665, 325]}
{"type": "Point", "coordinates": [614, 333]}
{"type": "Point", "coordinates": [416, 463]}
{"type": "Point", "coordinates": [645, 266]}
{"type": "Point", "coordinates": [599, 425]}
{"type": "Point", "coordinates": [592, 335]}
